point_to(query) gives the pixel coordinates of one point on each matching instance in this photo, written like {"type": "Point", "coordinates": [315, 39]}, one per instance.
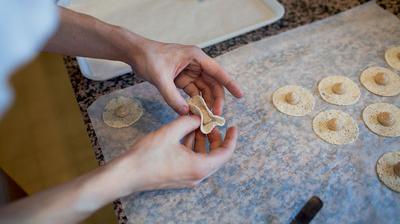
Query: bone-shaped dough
{"type": "Point", "coordinates": [198, 106]}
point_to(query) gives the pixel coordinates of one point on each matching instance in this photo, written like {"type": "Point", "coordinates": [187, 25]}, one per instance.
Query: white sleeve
{"type": "Point", "coordinates": [25, 26]}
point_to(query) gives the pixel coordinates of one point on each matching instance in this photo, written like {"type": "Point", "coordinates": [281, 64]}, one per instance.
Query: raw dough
{"type": "Point", "coordinates": [392, 57]}
{"type": "Point", "coordinates": [374, 79]}
{"type": "Point", "coordinates": [293, 100]}
{"type": "Point", "coordinates": [385, 168]}
{"type": "Point", "coordinates": [199, 107]}
{"type": "Point", "coordinates": [339, 90]}
{"type": "Point", "coordinates": [122, 112]}
{"type": "Point", "coordinates": [372, 112]}
{"type": "Point", "coordinates": [325, 123]}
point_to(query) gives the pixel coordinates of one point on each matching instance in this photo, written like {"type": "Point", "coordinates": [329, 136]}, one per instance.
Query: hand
{"type": "Point", "coordinates": [167, 66]}
{"type": "Point", "coordinates": [173, 66]}
{"type": "Point", "coordinates": [157, 161]}
{"type": "Point", "coordinates": [160, 161]}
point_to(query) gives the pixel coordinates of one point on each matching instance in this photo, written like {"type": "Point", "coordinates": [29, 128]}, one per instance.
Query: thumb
{"type": "Point", "coordinates": [173, 98]}
{"type": "Point", "coordinates": [182, 126]}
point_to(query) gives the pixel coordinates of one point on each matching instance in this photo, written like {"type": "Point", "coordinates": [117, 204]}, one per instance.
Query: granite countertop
{"type": "Point", "coordinates": [297, 13]}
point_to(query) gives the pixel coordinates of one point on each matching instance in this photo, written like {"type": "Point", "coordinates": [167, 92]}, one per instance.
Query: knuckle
{"type": "Point", "coordinates": [228, 82]}
{"type": "Point", "coordinates": [197, 174]}
{"type": "Point", "coordinates": [193, 184]}
{"type": "Point", "coordinates": [193, 49]}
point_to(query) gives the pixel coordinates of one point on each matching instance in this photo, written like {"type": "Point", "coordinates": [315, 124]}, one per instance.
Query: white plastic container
{"type": "Point", "coordinates": [196, 22]}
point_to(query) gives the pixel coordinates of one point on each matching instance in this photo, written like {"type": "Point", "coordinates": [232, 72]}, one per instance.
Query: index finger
{"type": "Point", "coordinates": [214, 70]}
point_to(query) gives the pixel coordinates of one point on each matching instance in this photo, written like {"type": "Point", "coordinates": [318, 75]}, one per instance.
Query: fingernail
{"type": "Point", "coordinates": [184, 110]}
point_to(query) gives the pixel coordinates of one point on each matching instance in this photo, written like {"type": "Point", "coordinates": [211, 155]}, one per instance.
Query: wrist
{"type": "Point", "coordinates": [132, 47]}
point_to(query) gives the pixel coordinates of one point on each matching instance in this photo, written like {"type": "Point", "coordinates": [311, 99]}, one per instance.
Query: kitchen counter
{"type": "Point", "coordinates": [297, 13]}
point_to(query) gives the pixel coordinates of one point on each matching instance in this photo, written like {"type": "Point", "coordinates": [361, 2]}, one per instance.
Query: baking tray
{"type": "Point", "coordinates": [195, 22]}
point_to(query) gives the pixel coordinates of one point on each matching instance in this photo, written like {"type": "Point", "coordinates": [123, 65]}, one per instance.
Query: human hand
{"type": "Point", "coordinates": [161, 161]}
{"type": "Point", "coordinates": [173, 66]}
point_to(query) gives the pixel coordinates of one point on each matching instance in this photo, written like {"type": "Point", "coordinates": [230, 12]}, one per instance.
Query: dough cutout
{"type": "Point", "coordinates": [383, 119]}
{"type": "Point", "coordinates": [293, 100]}
{"type": "Point", "coordinates": [335, 127]}
{"type": "Point", "coordinates": [392, 57]}
{"type": "Point", "coordinates": [209, 121]}
{"type": "Point", "coordinates": [339, 90]}
{"type": "Point", "coordinates": [388, 170]}
{"type": "Point", "coordinates": [122, 112]}
{"type": "Point", "coordinates": [381, 81]}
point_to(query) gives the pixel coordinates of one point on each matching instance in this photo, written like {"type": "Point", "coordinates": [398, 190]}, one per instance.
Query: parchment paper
{"type": "Point", "coordinates": [279, 162]}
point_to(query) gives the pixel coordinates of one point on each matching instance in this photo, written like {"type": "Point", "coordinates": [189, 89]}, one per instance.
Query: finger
{"type": "Point", "coordinates": [205, 92]}
{"type": "Point", "coordinates": [182, 80]}
{"type": "Point", "coordinates": [182, 126]}
{"type": "Point", "coordinates": [215, 139]}
{"type": "Point", "coordinates": [218, 94]}
{"type": "Point", "coordinates": [230, 139]}
{"type": "Point", "coordinates": [216, 158]}
{"type": "Point", "coordinates": [173, 98]}
{"type": "Point", "coordinates": [192, 90]}
{"type": "Point", "coordinates": [188, 140]}
{"type": "Point", "coordinates": [200, 142]}
{"type": "Point", "coordinates": [213, 69]}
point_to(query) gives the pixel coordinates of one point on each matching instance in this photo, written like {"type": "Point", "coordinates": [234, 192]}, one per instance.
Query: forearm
{"type": "Point", "coordinates": [68, 203]}
{"type": "Point", "coordinates": [83, 35]}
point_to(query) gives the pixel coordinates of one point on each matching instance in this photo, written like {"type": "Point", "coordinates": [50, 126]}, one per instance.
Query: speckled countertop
{"type": "Point", "coordinates": [297, 13]}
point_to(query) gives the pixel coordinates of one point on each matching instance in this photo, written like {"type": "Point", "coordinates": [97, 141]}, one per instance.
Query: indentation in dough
{"type": "Point", "coordinates": [386, 119]}
{"type": "Point", "coordinates": [381, 78]}
{"type": "Point", "coordinates": [335, 124]}
{"type": "Point", "coordinates": [122, 111]}
{"type": "Point", "coordinates": [209, 121]}
{"type": "Point", "coordinates": [339, 88]}
{"type": "Point", "coordinates": [292, 98]}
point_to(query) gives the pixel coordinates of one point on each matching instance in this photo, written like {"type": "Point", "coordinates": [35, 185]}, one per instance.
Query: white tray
{"type": "Point", "coordinates": [197, 22]}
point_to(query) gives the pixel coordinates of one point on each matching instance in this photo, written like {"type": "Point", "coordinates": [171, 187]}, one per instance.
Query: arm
{"type": "Point", "coordinates": [83, 35]}
{"type": "Point", "coordinates": [157, 161]}
{"type": "Point", "coordinates": [167, 66]}
{"type": "Point", "coordinates": [68, 203]}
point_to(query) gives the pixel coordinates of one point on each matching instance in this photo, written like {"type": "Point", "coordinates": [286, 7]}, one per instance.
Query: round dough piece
{"type": "Point", "coordinates": [122, 112]}
{"type": "Point", "coordinates": [370, 116]}
{"type": "Point", "coordinates": [339, 90]}
{"type": "Point", "coordinates": [369, 79]}
{"type": "Point", "coordinates": [385, 168]}
{"type": "Point", "coordinates": [293, 100]}
{"type": "Point", "coordinates": [392, 57]}
{"type": "Point", "coordinates": [345, 133]}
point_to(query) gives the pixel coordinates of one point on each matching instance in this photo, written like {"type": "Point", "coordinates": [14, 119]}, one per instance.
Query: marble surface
{"type": "Point", "coordinates": [279, 162]}
{"type": "Point", "coordinates": [297, 13]}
